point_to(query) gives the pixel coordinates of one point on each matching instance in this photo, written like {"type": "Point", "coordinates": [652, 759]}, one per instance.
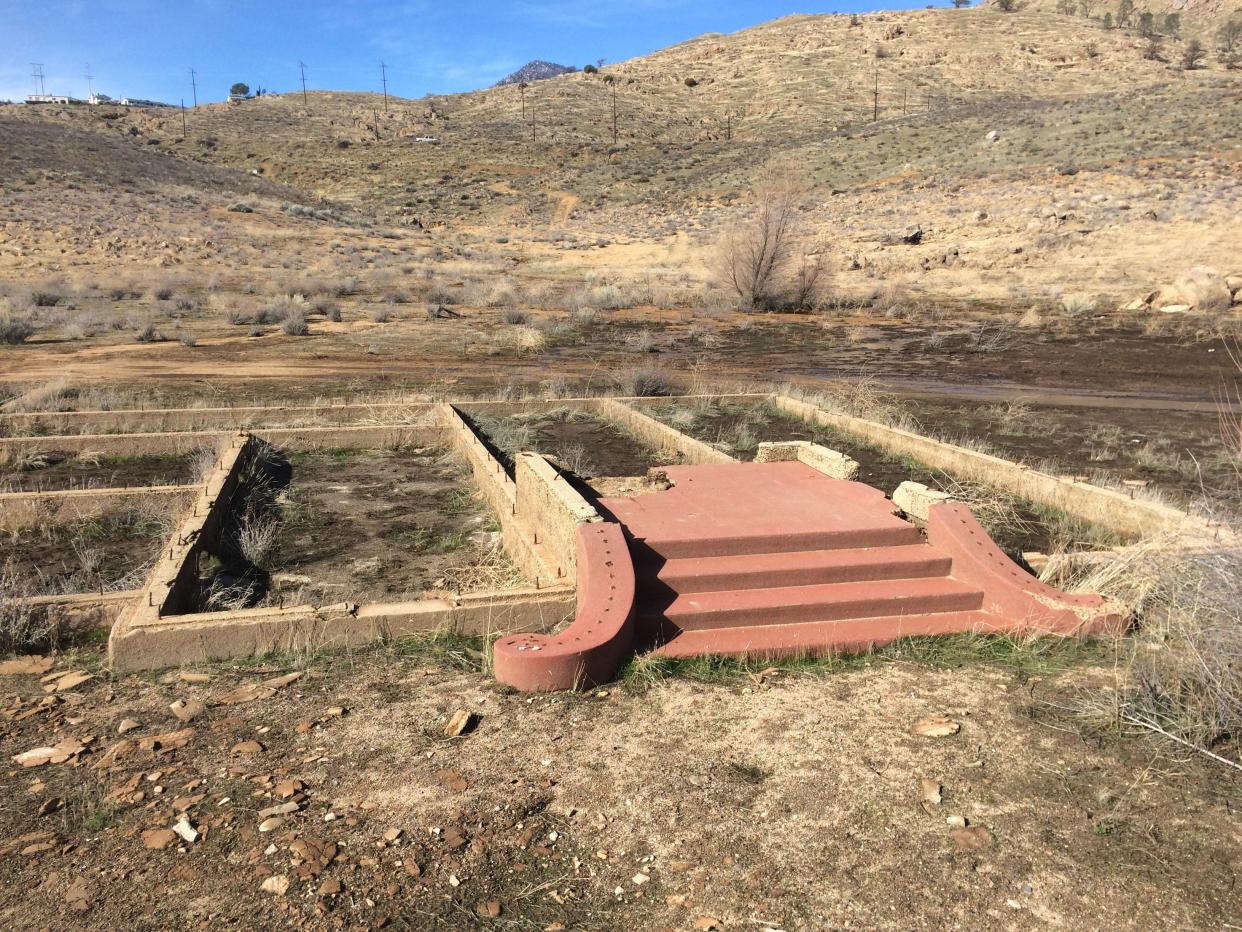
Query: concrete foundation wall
{"type": "Point", "coordinates": [16, 449]}
{"type": "Point", "coordinates": [232, 419]}
{"type": "Point", "coordinates": [171, 581]}
{"type": "Point", "coordinates": [551, 509]}
{"type": "Point", "coordinates": [500, 492]}
{"type": "Point", "coordinates": [20, 510]}
{"type": "Point", "coordinates": [222, 635]}
{"type": "Point", "coordinates": [659, 435]}
{"type": "Point", "coordinates": [1105, 507]}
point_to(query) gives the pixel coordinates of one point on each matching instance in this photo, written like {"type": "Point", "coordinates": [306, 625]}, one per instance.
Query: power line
{"type": "Point", "coordinates": [194, 86]}
{"type": "Point", "coordinates": [384, 78]}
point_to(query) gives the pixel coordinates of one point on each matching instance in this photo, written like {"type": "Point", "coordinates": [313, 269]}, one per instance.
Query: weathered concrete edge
{"type": "Point", "coordinates": [163, 591]}
{"type": "Point", "coordinates": [289, 438]}
{"type": "Point", "coordinates": [500, 492]}
{"type": "Point", "coordinates": [551, 509]}
{"type": "Point", "coordinates": [20, 510]}
{"type": "Point", "coordinates": [1092, 503]}
{"type": "Point", "coordinates": [304, 628]}
{"type": "Point", "coordinates": [254, 417]}
{"type": "Point", "coordinates": [230, 419]}
{"type": "Point", "coordinates": [829, 462]}
{"type": "Point", "coordinates": [659, 435]}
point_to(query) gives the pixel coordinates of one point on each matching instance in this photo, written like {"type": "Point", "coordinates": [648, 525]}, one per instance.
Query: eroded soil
{"type": "Point", "coordinates": [736, 803]}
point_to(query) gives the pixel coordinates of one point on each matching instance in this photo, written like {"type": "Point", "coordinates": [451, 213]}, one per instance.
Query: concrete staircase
{"type": "Point", "coordinates": [692, 599]}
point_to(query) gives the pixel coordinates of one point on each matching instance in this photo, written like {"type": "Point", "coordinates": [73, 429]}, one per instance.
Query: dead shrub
{"type": "Point", "coordinates": [645, 382]}
{"type": "Point", "coordinates": [754, 255]}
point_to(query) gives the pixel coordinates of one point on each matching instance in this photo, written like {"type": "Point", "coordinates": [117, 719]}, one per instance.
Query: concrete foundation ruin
{"type": "Point", "coordinates": [707, 555]}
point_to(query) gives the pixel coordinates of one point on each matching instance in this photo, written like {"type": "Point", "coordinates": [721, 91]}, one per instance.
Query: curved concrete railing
{"type": "Point", "coordinates": [1009, 591]}
{"type": "Point", "coordinates": [589, 651]}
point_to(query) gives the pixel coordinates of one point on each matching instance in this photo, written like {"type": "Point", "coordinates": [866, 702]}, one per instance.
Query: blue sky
{"type": "Point", "coordinates": [145, 48]}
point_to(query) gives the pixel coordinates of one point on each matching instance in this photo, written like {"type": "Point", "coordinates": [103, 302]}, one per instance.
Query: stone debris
{"type": "Point", "coordinates": [936, 726]}
{"type": "Point", "coordinates": [246, 748]}
{"type": "Point", "coordinates": [277, 884]}
{"type": "Point", "coordinates": [186, 831]}
{"type": "Point", "coordinates": [158, 838]}
{"type": "Point", "coordinates": [127, 725]}
{"type": "Point", "coordinates": [187, 709]}
{"type": "Point", "coordinates": [459, 722]}
{"type": "Point", "coordinates": [971, 838]}
{"type": "Point", "coordinates": [65, 750]}
{"type": "Point", "coordinates": [929, 793]}
{"type": "Point", "coordinates": [33, 665]}
{"type": "Point", "coordinates": [64, 681]}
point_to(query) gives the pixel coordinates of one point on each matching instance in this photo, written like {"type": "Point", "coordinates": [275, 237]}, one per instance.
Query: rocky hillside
{"type": "Point", "coordinates": [537, 70]}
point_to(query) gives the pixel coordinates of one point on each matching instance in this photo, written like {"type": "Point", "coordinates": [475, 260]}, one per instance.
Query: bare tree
{"type": "Point", "coordinates": [755, 251]}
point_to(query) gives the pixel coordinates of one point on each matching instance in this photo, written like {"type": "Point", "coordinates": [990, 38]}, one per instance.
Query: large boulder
{"type": "Point", "coordinates": [1202, 288]}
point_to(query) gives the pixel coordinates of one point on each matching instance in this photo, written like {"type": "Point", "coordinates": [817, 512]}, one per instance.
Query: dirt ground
{"type": "Point", "coordinates": [382, 526]}
{"type": "Point", "coordinates": [788, 800]}
{"type": "Point", "coordinates": [56, 472]}
{"type": "Point", "coordinates": [113, 551]}
{"type": "Point", "coordinates": [583, 443]}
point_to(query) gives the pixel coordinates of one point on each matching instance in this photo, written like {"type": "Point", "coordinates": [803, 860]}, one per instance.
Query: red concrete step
{"type": "Point", "coordinates": [829, 602]}
{"type": "Point", "coordinates": [683, 548]}
{"type": "Point", "coordinates": [818, 638]}
{"type": "Point", "coordinates": [811, 567]}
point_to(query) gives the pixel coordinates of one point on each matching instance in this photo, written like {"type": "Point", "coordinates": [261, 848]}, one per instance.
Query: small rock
{"type": "Point", "coordinates": [158, 838]}
{"type": "Point", "coordinates": [127, 725]}
{"type": "Point", "coordinates": [277, 884]}
{"type": "Point", "coordinates": [187, 709]}
{"type": "Point", "coordinates": [187, 831]}
{"type": "Point", "coordinates": [936, 726]}
{"type": "Point", "coordinates": [458, 723]}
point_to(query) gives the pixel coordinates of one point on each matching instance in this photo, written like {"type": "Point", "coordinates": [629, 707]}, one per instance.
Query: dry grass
{"type": "Point", "coordinates": [1179, 672]}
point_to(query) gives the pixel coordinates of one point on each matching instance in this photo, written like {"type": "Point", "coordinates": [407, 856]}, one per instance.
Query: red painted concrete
{"type": "Point", "coordinates": [772, 559]}
{"type": "Point", "coordinates": [1012, 594]}
{"type": "Point", "coordinates": [601, 636]}
{"type": "Point", "coordinates": [745, 508]}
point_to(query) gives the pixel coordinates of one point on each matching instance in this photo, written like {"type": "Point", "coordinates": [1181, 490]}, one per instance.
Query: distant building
{"type": "Point", "coordinates": [138, 102]}
{"type": "Point", "coordinates": [48, 99]}
{"type": "Point", "coordinates": [96, 100]}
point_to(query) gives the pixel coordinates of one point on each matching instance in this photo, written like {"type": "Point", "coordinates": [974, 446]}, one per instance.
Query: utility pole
{"type": "Point", "coordinates": [36, 72]}
{"type": "Point", "coordinates": [302, 68]}
{"type": "Point", "coordinates": [90, 86]}
{"type": "Point", "coordinates": [522, 88]}
{"type": "Point", "coordinates": [532, 123]}
{"type": "Point", "coordinates": [184, 133]}
{"type": "Point", "coordinates": [875, 115]}
{"type": "Point", "coordinates": [194, 85]}
{"type": "Point", "coordinates": [614, 115]}
{"type": "Point", "coordinates": [384, 78]}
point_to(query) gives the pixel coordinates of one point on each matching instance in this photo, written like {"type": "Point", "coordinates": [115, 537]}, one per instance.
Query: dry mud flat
{"type": "Point", "coordinates": [773, 801]}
